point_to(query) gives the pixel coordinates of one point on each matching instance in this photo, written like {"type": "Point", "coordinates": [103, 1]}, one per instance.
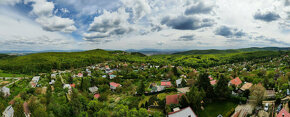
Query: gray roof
{"type": "Point", "coordinates": [93, 89]}
{"type": "Point", "coordinates": [8, 112]}
{"type": "Point", "coordinates": [178, 81]}
{"type": "Point", "coordinates": [185, 112]}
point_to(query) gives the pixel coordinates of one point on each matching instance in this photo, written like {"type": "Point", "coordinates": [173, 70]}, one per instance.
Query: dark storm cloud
{"type": "Point", "coordinates": [186, 23]}
{"type": "Point", "coordinates": [199, 8]}
{"type": "Point", "coordinates": [186, 38]}
{"type": "Point", "coordinates": [229, 32]}
{"type": "Point", "coordinates": [267, 16]}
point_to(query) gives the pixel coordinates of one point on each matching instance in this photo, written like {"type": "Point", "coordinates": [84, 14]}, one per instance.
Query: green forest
{"type": "Point", "coordinates": [45, 62]}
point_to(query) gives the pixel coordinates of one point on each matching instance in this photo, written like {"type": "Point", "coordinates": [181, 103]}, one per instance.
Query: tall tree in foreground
{"type": "Point", "coordinates": [194, 97]}
{"type": "Point", "coordinates": [257, 93]}
{"type": "Point", "coordinates": [203, 83]}
{"type": "Point", "coordinates": [222, 90]}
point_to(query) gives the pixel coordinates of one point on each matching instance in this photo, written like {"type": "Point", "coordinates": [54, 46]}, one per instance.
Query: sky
{"type": "Point", "coordinates": [143, 24]}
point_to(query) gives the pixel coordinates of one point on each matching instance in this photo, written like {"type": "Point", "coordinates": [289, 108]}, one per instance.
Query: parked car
{"type": "Point", "coordinates": [279, 108]}
{"type": "Point", "coordinates": [266, 107]}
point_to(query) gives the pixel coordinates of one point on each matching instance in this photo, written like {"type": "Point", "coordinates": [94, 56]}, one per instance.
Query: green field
{"type": "Point", "coordinates": [216, 108]}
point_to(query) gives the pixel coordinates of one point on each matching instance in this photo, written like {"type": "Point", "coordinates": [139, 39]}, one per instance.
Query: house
{"type": "Point", "coordinates": [112, 76]}
{"type": "Point", "coordinates": [213, 82]}
{"type": "Point", "coordinates": [51, 82]}
{"type": "Point", "coordinates": [269, 94]}
{"type": "Point", "coordinates": [66, 86]}
{"type": "Point", "coordinates": [156, 88]}
{"type": "Point", "coordinates": [185, 112]}
{"type": "Point", "coordinates": [283, 113]}
{"type": "Point", "coordinates": [246, 86]}
{"type": "Point", "coordinates": [166, 83]}
{"type": "Point", "coordinates": [73, 85]}
{"type": "Point", "coordinates": [178, 82]}
{"type": "Point", "coordinates": [114, 85]}
{"type": "Point", "coordinates": [26, 109]}
{"type": "Point", "coordinates": [8, 112]}
{"type": "Point", "coordinates": [34, 81]}
{"type": "Point", "coordinates": [173, 99]}
{"type": "Point", "coordinates": [5, 91]}
{"type": "Point", "coordinates": [97, 96]}
{"type": "Point", "coordinates": [53, 75]}
{"type": "Point", "coordinates": [237, 82]}
{"type": "Point", "coordinates": [104, 76]}
{"type": "Point", "coordinates": [80, 75]}
{"type": "Point", "coordinates": [93, 89]}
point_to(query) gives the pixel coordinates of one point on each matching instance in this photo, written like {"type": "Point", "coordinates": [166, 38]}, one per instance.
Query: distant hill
{"type": "Point", "coordinates": [5, 56]}
{"type": "Point", "coordinates": [215, 51]}
{"type": "Point", "coordinates": [45, 62]}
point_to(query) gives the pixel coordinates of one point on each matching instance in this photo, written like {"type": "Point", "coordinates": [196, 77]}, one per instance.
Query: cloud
{"type": "Point", "coordinates": [187, 22]}
{"type": "Point", "coordinates": [43, 10]}
{"type": "Point", "coordinates": [287, 3]}
{"type": "Point", "coordinates": [56, 23]}
{"type": "Point", "coordinates": [160, 43]}
{"type": "Point", "coordinates": [139, 8]}
{"type": "Point", "coordinates": [229, 32]}
{"type": "Point", "coordinates": [199, 8]}
{"type": "Point", "coordinates": [267, 16]}
{"type": "Point", "coordinates": [25, 34]}
{"type": "Point", "coordinates": [9, 2]}
{"type": "Point", "coordinates": [186, 38]}
{"type": "Point", "coordinates": [272, 40]}
{"type": "Point", "coordinates": [108, 24]}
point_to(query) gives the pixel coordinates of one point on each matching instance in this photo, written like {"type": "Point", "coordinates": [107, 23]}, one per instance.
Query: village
{"type": "Point", "coordinates": [254, 88]}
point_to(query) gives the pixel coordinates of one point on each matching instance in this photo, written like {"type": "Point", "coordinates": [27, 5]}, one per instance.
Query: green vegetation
{"type": "Point", "coordinates": [140, 77]}
{"type": "Point", "coordinates": [216, 108]}
{"type": "Point", "coordinates": [214, 51]}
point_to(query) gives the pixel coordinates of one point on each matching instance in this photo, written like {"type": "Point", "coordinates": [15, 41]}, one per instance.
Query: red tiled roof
{"type": "Point", "coordinates": [236, 81]}
{"type": "Point", "coordinates": [173, 99]}
{"type": "Point", "coordinates": [26, 108]}
{"type": "Point", "coordinates": [80, 74]}
{"type": "Point", "coordinates": [114, 84]}
{"type": "Point", "coordinates": [213, 82]}
{"type": "Point", "coordinates": [73, 85]}
{"type": "Point", "coordinates": [165, 83]}
{"type": "Point", "coordinates": [210, 78]}
{"type": "Point", "coordinates": [97, 96]}
{"type": "Point", "coordinates": [283, 111]}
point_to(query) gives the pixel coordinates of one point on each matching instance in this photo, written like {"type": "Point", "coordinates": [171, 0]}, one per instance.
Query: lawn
{"type": "Point", "coordinates": [216, 108]}
{"type": "Point", "coordinates": [11, 75]}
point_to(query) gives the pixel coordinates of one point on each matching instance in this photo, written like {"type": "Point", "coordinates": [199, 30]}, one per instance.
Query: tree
{"type": "Point", "coordinates": [70, 79]}
{"type": "Point", "coordinates": [204, 83]}
{"type": "Point", "coordinates": [103, 113]}
{"type": "Point", "coordinates": [18, 107]}
{"type": "Point", "coordinates": [141, 88]}
{"type": "Point", "coordinates": [195, 97]}
{"type": "Point", "coordinates": [222, 90]}
{"type": "Point", "coordinates": [257, 93]}
{"type": "Point", "coordinates": [183, 82]}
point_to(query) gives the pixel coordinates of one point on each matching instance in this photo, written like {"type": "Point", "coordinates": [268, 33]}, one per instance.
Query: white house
{"type": "Point", "coordinates": [51, 82]}
{"type": "Point", "coordinates": [66, 86]}
{"type": "Point", "coordinates": [185, 112]}
{"type": "Point", "coordinates": [35, 79]}
{"type": "Point", "coordinates": [6, 91]}
{"type": "Point", "coordinates": [9, 112]}
{"type": "Point", "coordinates": [93, 89]}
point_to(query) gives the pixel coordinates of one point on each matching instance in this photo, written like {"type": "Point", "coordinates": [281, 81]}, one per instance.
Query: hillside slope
{"type": "Point", "coordinates": [215, 51]}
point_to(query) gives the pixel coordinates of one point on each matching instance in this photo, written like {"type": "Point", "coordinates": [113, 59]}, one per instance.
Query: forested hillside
{"type": "Point", "coordinates": [215, 51]}
{"type": "Point", "coordinates": [45, 62]}
{"type": "Point", "coordinates": [5, 56]}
